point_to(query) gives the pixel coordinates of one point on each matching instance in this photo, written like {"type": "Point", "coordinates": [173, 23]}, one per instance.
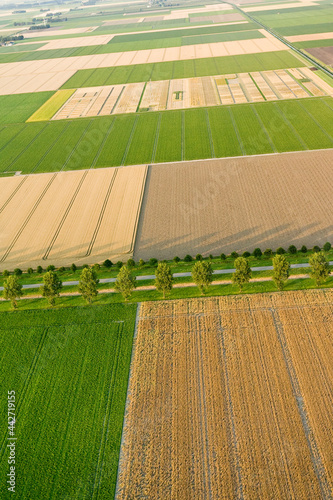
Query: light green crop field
{"type": "Point", "coordinates": [183, 69]}
{"type": "Point", "coordinates": [195, 133]}
{"type": "Point", "coordinates": [17, 108]}
{"type": "Point", "coordinates": [69, 369]}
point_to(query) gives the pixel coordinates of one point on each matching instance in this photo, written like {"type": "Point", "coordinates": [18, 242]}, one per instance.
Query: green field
{"type": "Point", "coordinates": [195, 133]}
{"type": "Point", "coordinates": [17, 108]}
{"type": "Point", "coordinates": [183, 69]}
{"type": "Point", "coordinates": [69, 369]}
{"type": "Point", "coordinates": [124, 43]}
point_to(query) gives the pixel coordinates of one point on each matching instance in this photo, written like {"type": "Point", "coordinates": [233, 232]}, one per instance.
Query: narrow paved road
{"type": "Point", "coordinates": [175, 275]}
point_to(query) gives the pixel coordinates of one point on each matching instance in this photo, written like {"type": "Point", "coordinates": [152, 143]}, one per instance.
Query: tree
{"type": "Point", "coordinates": [141, 263]}
{"type": "Point", "coordinates": [243, 272]}
{"type": "Point", "coordinates": [88, 284]}
{"type": "Point", "coordinates": [153, 262]}
{"type": "Point", "coordinates": [176, 259]}
{"type": "Point", "coordinates": [234, 255]}
{"type": "Point", "coordinates": [107, 263]}
{"type": "Point", "coordinates": [17, 271]}
{"type": "Point", "coordinates": [164, 279]}
{"type": "Point", "coordinates": [73, 268]}
{"type": "Point", "coordinates": [125, 282]}
{"type": "Point", "coordinates": [246, 255]}
{"type": "Point", "coordinates": [327, 247]}
{"type": "Point", "coordinates": [30, 270]}
{"type": "Point", "coordinates": [96, 267]}
{"type": "Point", "coordinates": [257, 253]}
{"type": "Point", "coordinates": [39, 269]}
{"type": "Point", "coordinates": [5, 273]}
{"type": "Point", "coordinates": [320, 268]}
{"type": "Point", "coordinates": [292, 249]}
{"type": "Point", "coordinates": [316, 249]}
{"type": "Point", "coordinates": [268, 252]}
{"type": "Point", "coordinates": [52, 286]}
{"type": "Point", "coordinates": [51, 267]}
{"type": "Point", "coordinates": [12, 290]}
{"type": "Point", "coordinates": [280, 251]}
{"type": "Point", "coordinates": [198, 256]}
{"type": "Point", "coordinates": [188, 258]}
{"type": "Point", "coordinates": [130, 263]}
{"type": "Point", "coordinates": [223, 256]}
{"type": "Point", "coordinates": [202, 274]}
{"type": "Point", "coordinates": [281, 269]}
{"type": "Point", "coordinates": [304, 249]}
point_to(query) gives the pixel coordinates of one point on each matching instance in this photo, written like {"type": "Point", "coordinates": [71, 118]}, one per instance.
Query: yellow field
{"type": "Point", "coordinates": [82, 216]}
{"type": "Point", "coordinates": [231, 397]}
{"type": "Point", "coordinates": [50, 107]}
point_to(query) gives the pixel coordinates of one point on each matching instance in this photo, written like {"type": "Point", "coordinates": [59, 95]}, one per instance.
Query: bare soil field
{"type": "Point", "coordinates": [83, 216]}
{"type": "Point", "coordinates": [236, 204]}
{"type": "Point", "coordinates": [324, 54]}
{"type": "Point", "coordinates": [230, 397]}
{"type": "Point", "coordinates": [84, 41]}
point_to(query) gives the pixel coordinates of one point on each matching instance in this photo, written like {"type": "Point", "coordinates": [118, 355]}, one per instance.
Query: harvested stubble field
{"type": "Point", "coordinates": [216, 206]}
{"type": "Point", "coordinates": [82, 216]}
{"type": "Point", "coordinates": [230, 397]}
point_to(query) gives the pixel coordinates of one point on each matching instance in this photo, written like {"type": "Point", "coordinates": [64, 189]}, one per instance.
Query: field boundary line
{"type": "Point", "coordinates": [183, 135]}
{"type": "Point", "coordinates": [291, 126]}
{"type": "Point", "coordinates": [141, 97]}
{"type": "Point", "coordinates": [128, 396]}
{"type": "Point", "coordinates": [157, 134]}
{"type": "Point", "coordinates": [104, 104]}
{"type": "Point", "coordinates": [106, 422]}
{"type": "Point", "coordinates": [270, 140]}
{"type": "Point", "coordinates": [138, 213]}
{"type": "Point", "coordinates": [27, 146]}
{"type": "Point", "coordinates": [237, 133]}
{"type": "Point", "coordinates": [27, 219]}
{"type": "Point", "coordinates": [230, 412]}
{"type": "Point", "coordinates": [257, 86]}
{"type": "Point", "coordinates": [101, 214]}
{"type": "Point", "coordinates": [129, 142]}
{"type": "Point", "coordinates": [64, 217]}
{"type": "Point", "coordinates": [212, 150]}
{"type": "Point", "coordinates": [118, 99]}
{"type": "Point", "coordinates": [316, 458]}
{"type": "Point", "coordinates": [97, 155]}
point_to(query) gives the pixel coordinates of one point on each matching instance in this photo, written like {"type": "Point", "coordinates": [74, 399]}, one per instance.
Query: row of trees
{"type": "Point", "coordinates": [202, 276]}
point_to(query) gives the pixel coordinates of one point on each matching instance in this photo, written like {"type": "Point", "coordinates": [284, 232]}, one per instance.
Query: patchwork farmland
{"type": "Point", "coordinates": [149, 131]}
{"type": "Point", "coordinates": [222, 399]}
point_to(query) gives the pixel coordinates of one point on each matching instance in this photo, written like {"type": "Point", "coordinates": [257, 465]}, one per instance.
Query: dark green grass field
{"type": "Point", "coordinates": [17, 108]}
{"type": "Point", "coordinates": [183, 69]}
{"type": "Point", "coordinates": [221, 131]}
{"type": "Point", "coordinates": [69, 369]}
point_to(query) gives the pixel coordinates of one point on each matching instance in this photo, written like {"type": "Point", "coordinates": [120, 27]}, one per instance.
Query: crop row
{"type": "Point", "coordinates": [69, 411]}
{"type": "Point", "coordinates": [182, 69]}
{"type": "Point", "coordinates": [131, 139]}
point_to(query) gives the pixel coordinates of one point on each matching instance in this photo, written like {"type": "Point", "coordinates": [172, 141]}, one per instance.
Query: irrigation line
{"type": "Point", "coordinates": [61, 223]}
{"type": "Point", "coordinates": [138, 212]}
{"type": "Point", "coordinates": [13, 194]}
